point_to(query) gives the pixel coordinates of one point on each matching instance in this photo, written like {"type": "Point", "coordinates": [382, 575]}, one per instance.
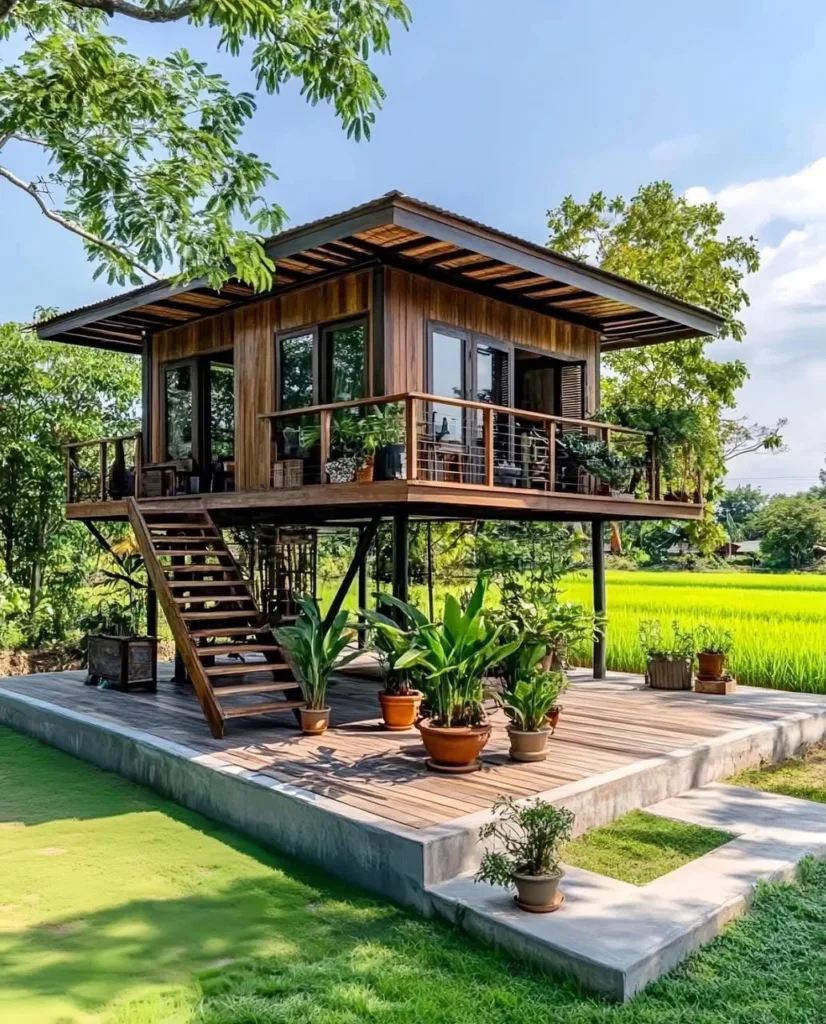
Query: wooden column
{"type": "Point", "coordinates": [151, 611]}
{"type": "Point", "coordinates": [401, 555]}
{"type": "Point", "coordinates": [598, 563]}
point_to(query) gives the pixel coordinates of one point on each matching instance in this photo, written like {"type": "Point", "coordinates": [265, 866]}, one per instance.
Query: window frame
{"type": "Point", "coordinates": [322, 355]}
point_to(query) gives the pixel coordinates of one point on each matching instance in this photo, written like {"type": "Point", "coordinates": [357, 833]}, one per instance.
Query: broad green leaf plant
{"type": "Point", "coordinates": [315, 652]}
{"type": "Point", "coordinates": [141, 156]}
{"type": "Point", "coordinates": [390, 639]}
{"type": "Point", "coordinates": [529, 692]}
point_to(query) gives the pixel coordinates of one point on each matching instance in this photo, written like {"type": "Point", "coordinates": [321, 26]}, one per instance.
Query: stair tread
{"type": "Point", "coordinates": [203, 525]}
{"type": "Point", "coordinates": [262, 709]}
{"type": "Point", "coordinates": [212, 649]}
{"type": "Point", "coordinates": [241, 668]}
{"type": "Point", "coordinates": [178, 538]}
{"type": "Point", "coordinates": [238, 689]}
{"type": "Point", "coordinates": [198, 554]}
{"type": "Point", "coordinates": [228, 631]}
{"type": "Point", "coordinates": [221, 615]}
{"type": "Point", "coordinates": [215, 599]}
{"type": "Point", "coordinates": [199, 568]}
{"type": "Point", "coordinates": [184, 584]}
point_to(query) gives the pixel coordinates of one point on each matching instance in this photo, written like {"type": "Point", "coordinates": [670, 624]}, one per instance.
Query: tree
{"type": "Point", "coordinates": [739, 437]}
{"type": "Point", "coordinates": [790, 528]}
{"type": "Point", "coordinates": [141, 157]}
{"type": "Point", "coordinates": [662, 240]}
{"type": "Point", "coordinates": [737, 508]}
{"type": "Point", "coordinates": [51, 394]}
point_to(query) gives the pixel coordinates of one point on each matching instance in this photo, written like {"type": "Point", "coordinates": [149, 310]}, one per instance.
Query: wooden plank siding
{"type": "Point", "coordinates": [250, 332]}
{"type": "Point", "coordinates": [411, 300]}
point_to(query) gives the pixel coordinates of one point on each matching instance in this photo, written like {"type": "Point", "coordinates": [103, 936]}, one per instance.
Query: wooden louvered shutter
{"type": "Point", "coordinates": [572, 390]}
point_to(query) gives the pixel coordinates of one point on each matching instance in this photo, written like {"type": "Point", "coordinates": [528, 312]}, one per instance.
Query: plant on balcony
{"type": "Point", "coordinates": [529, 695]}
{"type": "Point", "coordinates": [598, 458]}
{"type": "Point", "coordinates": [448, 660]}
{"type": "Point", "coordinates": [524, 842]}
{"type": "Point", "coordinates": [669, 655]}
{"type": "Point", "coordinates": [314, 653]}
{"type": "Point", "coordinates": [365, 444]}
{"type": "Point", "coordinates": [391, 639]}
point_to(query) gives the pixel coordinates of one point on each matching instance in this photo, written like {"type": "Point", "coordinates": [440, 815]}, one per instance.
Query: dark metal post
{"type": "Point", "coordinates": [151, 611]}
{"type": "Point", "coordinates": [598, 563]}
{"type": "Point", "coordinates": [362, 584]}
{"type": "Point", "coordinates": [401, 555]}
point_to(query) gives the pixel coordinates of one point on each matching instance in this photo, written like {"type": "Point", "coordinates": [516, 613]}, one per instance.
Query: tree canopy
{"type": "Point", "coordinates": [791, 528]}
{"type": "Point", "coordinates": [141, 156]}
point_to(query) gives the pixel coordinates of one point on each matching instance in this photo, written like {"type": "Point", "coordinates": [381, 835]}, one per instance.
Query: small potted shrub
{"type": "Point", "coordinates": [314, 653]}
{"type": "Point", "coordinates": [448, 661]}
{"type": "Point", "coordinates": [600, 460]}
{"type": "Point", "coordinates": [399, 701]}
{"type": "Point", "coordinates": [529, 696]}
{"type": "Point", "coordinates": [669, 656]}
{"type": "Point", "coordinates": [713, 647]}
{"type": "Point", "coordinates": [524, 851]}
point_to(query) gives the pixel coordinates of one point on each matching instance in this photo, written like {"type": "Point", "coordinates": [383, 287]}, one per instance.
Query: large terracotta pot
{"type": "Point", "coordinates": [711, 665]}
{"type": "Point", "coordinates": [538, 892]}
{"type": "Point", "coordinates": [399, 710]}
{"type": "Point", "coordinates": [456, 749]}
{"type": "Point", "coordinates": [553, 717]}
{"type": "Point", "coordinates": [314, 721]}
{"type": "Point", "coordinates": [529, 746]}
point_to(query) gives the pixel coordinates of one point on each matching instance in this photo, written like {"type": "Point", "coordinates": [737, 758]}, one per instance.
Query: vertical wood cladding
{"type": "Point", "coordinates": [250, 332]}
{"type": "Point", "coordinates": [412, 300]}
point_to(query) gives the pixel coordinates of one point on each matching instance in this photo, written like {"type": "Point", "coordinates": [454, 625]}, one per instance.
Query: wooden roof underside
{"type": "Point", "coordinates": [405, 233]}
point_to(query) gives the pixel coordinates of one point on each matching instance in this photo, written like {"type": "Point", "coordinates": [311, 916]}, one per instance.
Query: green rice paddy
{"type": "Point", "coordinates": [778, 620]}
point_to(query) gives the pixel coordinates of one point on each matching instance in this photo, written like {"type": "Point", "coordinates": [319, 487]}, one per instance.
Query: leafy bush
{"type": "Point", "coordinates": [525, 840]}
{"type": "Point", "coordinates": [713, 639]}
{"type": "Point", "coordinates": [657, 643]}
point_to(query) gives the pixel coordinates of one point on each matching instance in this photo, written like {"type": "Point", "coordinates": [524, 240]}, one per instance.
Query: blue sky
{"type": "Point", "coordinates": [497, 110]}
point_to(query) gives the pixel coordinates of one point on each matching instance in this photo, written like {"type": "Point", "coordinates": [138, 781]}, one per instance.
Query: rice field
{"type": "Point", "coordinates": [778, 620]}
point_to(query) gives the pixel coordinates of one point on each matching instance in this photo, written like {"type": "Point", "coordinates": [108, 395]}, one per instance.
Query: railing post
{"type": "Point", "coordinates": [102, 470]}
{"type": "Point", "coordinates": [550, 427]}
{"type": "Point", "coordinates": [411, 442]}
{"type": "Point", "coordinates": [487, 444]}
{"type": "Point", "coordinates": [71, 456]}
{"type": "Point", "coordinates": [325, 417]}
{"type": "Point", "coordinates": [138, 465]}
{"type": "Point", "coordinates": [653, 471]}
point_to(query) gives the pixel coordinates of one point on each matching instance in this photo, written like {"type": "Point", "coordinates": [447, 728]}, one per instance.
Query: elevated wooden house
{"type": "Point", "coordinates": [407, 362]}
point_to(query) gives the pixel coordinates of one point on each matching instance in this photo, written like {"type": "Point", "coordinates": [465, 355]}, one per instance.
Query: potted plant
{"type": "Point", "coordinates": [528, 697]}
{"type": "Point", "coordinates": [598, 458]}
{"type": "Point", "coordinates": [713, 647]}
{"type": "Point", "coordinates": [399, 701]}
{"type": "Point", "coordinates": [449, 660]}
{"type": "Point", "coordinates": [384, 440]}
{"type": "Point", "coordinates": [314, 653]}
{"type": "Point", "coordinates": [669, 656]}
{"type": "Point", "coordinates": [347, 454]}
{"type": "Point", "coordinates": [524, 851]}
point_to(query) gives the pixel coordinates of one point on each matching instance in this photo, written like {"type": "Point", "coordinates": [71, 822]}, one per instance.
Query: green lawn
{"type": "Point", "coordinates": [639, 847]}
{"type": "Point", "coordinates": [120, 908]}
{"type": "Point", "coordinates": [804, 776]}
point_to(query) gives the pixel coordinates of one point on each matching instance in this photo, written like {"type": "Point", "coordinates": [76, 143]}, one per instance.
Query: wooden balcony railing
{"type": "Point", "coordinates": [104, 469]}
{"type": "Point", "coordinates": [422, 437]}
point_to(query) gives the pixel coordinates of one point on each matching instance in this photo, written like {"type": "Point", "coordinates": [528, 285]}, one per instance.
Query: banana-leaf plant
{"type": "Point", "coordinates": [391, 638]}
{"type": "Point", "coordinates": [448, 660]}
{"type": "Point", "coordinates": [315, 652]}
{"type": "Point", "coordinates": [529, 692]}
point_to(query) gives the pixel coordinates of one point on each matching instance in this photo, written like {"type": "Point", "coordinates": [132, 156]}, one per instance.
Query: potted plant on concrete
{"type": "Point", "coordinates": [669, 655]}
{"type": "Point", "coordinates": [527, 698]}
{"type": "Point", "coordinates": [713, 647]}
{"type": "Point", "coordinates": [314, 653]}
{"type": "Point", "coordinates": [449, 660]}
{"type": "Point", "coordinates": [399, 701]}
{"type": "Point", "coordinates": [524, 842]}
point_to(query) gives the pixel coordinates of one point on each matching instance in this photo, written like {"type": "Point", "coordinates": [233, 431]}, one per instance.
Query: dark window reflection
{"type": "Point", "coordinates": [178, 393]}
{"type": "Point", "coordinates": [222, 411]}
{"type": "Point", "coordinates": [347, 345]}
{"type": "Point", "coordinates": [296, 371]}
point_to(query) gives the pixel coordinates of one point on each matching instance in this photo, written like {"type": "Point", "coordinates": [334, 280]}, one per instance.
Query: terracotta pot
{"type": "Point", "coordinates": [314, 721]}
{"type": "Point", "coordinates": [711, 665]}
{"type": "Point", "coordinates": [364, 474]}
{"type": "Point", "coordinates": [537, 890]}
{"type": "Point", "coordinates": [399, 710]}
{"type": "Point", "coordinates": [454, 748]}
{"type": "Point", "coordinates": [529, 746]}
{"type": "Point", "coordinates": [553, 717]}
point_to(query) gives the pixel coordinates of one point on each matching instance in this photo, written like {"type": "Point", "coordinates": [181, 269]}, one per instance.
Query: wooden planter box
{"type": "Point", "coordinates": [288, 473]}
{"type": "Point", "coordinates": [670, 673]}
{"type": "Point", "coordinates": [123, 662]}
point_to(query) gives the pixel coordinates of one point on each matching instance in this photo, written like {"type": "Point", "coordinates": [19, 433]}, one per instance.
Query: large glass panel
{"type": "Point", "coordinates": [295, 371]}
{"type": "Point", "coordinates": [222, 411]}
{"type": "Point", "coordinates": [347, 346]}
{"type": "Point", "coordinates": [493, 387]}
{"type": "Point", "coordinates": [447, 377]}
{"type": "Point", "coordinates": [178, 383]}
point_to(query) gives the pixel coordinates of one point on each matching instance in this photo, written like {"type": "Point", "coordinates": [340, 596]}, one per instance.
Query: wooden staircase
{"type": "Point", "coordinates": [211, 611]}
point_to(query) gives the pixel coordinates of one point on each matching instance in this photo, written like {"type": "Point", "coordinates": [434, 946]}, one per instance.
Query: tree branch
{"type": "Point", "coordinates": [6, 7]}
{"type": "Point", "coordinates": [157, 14]}
{"type": "Point", "coordinates": [72, 226]}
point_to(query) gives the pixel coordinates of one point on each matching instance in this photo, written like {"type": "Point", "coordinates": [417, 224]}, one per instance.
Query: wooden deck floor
{"type": "Point", "coordinates": [603, 726]}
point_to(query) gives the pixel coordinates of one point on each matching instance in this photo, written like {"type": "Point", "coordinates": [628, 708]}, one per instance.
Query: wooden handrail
{"type": "Point", "coordinates": [332, 406]}
{"type": "Point", "coordinates": [101, 440]}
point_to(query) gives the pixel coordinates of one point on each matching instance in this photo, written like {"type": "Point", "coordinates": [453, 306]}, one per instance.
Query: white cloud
{"type": "Point", "coordinates": [785, 348]}
{"type": "Point", "coordinates": [671, 150]}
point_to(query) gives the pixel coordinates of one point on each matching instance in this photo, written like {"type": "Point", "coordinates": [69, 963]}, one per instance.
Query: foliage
{"type": "Point", "coordinates": [530, 692]}
{"type": "Point", "coordinates": [599, 459]}
{"type": "Point", "coordinates": [141, 155]}
{"type": "Point", "coordinates": [51, 394]}
{"type": "Point", "coordinates": [657, 642]}
{"type": "Point", "coordinates": [544, 552]}
{"type": "Point", "coordinates": [713, 639]}
{"type": "Point", "coordinates": [525, 840]}
{"type": "Point", "coordinates": [315, 652]}
{"type": "Point", "coordinates": [803, 777]}
{"type": "Point", "coordinates": [661, 240]}
{"type": "Point", "coordinates": [448, 660]}
{"type": "Point", "coordinates": [737, 508]}
{"type": "Point", "coordinates": [790, 528]}
{"type": "Point", "coordinates": [391, 639]}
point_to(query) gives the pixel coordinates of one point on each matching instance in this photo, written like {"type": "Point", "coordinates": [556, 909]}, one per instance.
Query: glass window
{"type": "Point", "coordinates": [447, 357]}
{"type": "Point", "coordinates": [295, 371]}
{"type": "Point", "coordinates": [492, 375]}
{"type": "Point", "coordinates": [222, 411]}
{"type": "Point", "coordinates": [347, 348]}
{"type": "Point", "coordinates": [178, 383]}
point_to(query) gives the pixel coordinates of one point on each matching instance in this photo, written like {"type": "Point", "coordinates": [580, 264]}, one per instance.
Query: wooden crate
{"type": "Point", "coordinates": [123, 661]}
{"type": "Point", "coordinates": [722, 686]}
{"type": "Point", "coordinates": [288, 473]}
